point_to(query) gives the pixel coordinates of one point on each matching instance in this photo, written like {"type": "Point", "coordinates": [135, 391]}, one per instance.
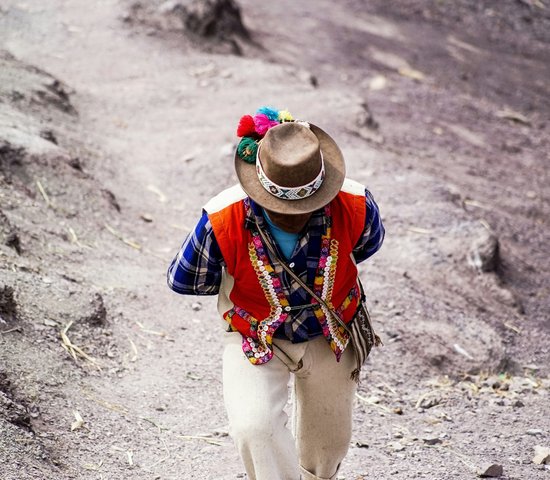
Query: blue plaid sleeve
{"type": "Point", "coordinates": [373, 233]}
{"type": "Point", "coordinates": [197, 268]}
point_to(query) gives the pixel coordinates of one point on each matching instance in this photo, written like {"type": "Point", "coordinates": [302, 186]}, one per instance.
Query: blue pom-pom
{"type": "Point", "coordinates": [271, 113]}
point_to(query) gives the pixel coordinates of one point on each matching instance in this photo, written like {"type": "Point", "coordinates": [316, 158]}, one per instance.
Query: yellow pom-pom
{"type": "Point", "coordinates": [285, 116]}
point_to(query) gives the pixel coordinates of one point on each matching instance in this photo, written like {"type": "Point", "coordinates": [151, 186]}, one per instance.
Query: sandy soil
{"type": "Point", "coordinates": [115, 128]}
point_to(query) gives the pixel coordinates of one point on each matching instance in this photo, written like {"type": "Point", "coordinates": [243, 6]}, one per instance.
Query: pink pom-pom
{"type": "Point", "coordinates": [263, 123]}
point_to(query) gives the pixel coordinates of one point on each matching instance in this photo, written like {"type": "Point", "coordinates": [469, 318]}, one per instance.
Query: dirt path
{"type": "Point", "coordinates": [155, 126]}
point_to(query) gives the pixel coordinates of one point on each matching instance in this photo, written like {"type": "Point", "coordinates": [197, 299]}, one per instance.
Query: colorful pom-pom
{"type": "Point", "coordinates": [285, 116]}
{"type": "Point", "coordinates": [271, 113]}
{"type": "Point", "coordinates": [247, 149]}
{"type": "Point", "coordinates": [246, 126]}
{"type": "Point", "coordinates": [263, 123]}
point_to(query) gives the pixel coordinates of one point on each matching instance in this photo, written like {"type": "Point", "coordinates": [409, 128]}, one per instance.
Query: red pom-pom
{"type": "Point", "coordinates": [246, 127]}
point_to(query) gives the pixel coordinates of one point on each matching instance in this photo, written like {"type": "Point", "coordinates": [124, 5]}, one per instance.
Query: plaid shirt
{"type": "Point", "coordinates": [197, 269]}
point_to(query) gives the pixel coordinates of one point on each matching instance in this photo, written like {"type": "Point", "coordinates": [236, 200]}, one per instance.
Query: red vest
{"type": "Point", "coordinates": [258, 304]}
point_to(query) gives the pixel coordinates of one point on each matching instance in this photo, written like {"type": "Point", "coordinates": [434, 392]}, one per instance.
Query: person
{"type": "Point", "coordinates": [292, 193]}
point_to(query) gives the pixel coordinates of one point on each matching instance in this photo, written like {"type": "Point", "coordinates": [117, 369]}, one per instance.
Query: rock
{"type": "Point", "coordinates": [307, 77]}
{"type": "Point", "coordinates": [196, 306]}
{"type": "Point", "coordinates": [55, 93]}
{"type": "Point", "coordinates": [111, 199]}
{"type": "Point", "coordinates": [490, 470]}
{"type": "Point", "coordinates": [213, 18]}
{"type": "Point", "coordinates": [429, 401]}
{"type": "Point", "coordinates": [379, 82]}
{"type": "Point", "coordinates": [431, 440]}
{"type": "Point", "coordinates": [396, 446]}
{"type": "Point", "coordinates": [534, 431]}
{"type": "Point", "coordinates": [214, 24]}
{"type": "Point", "coordinates": [98, 315]}
{"type": "Point", "coordinates": [8, 305]}
{"type": "Point", "coordinates": [365, 118]}
{"type": "Point", "coordinates": [484, 252]}
{"type": "Point", "coordinates": [11, 158]}
{"type": "Point", "coordinates": [452, 193]}
{"type": "Point", "coordinates": [542, 455]}
{"type": "Point", "coordinates": [369, 134]}
{"type": "Point", "coordinates": [13, 241]}
{"type": "Point", "coordinates": [506, 297]}
{"type": "Point", "coordinates": [13, 409]}
{"type": "Point", "coordinates": [8, 233]}
{"type": "Point", "coordinates": [75, 163]}
{"type": "Point", "coordinates": [49, 135]}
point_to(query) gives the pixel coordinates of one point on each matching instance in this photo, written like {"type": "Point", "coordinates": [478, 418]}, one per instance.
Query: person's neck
{"type": "Point", "coordinates": [288, 223]}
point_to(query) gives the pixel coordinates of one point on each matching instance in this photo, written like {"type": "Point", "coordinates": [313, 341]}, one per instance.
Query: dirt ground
{"type": "Point", "coordinates": [117, 125]}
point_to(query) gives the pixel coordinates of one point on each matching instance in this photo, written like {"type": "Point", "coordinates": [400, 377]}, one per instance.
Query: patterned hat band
{"type": "Point", "coordinates": [290, 193]}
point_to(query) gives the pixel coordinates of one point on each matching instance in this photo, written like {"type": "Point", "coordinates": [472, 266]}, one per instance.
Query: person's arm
{"type": "Point", "coordinates": [373, 233]}
{"type": "Point", "coordinates": [197, 269]}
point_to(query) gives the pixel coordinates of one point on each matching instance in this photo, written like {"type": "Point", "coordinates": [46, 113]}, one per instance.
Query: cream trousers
{"type": "Point", "coordinates": [255, 396]}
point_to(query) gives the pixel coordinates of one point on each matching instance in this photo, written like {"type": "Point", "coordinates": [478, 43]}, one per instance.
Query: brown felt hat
{"type": "Point", "coordinates": [299, 169]}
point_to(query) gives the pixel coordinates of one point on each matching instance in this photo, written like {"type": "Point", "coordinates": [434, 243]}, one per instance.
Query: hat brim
{"type": "Point", "coordinates": [335, 173]}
